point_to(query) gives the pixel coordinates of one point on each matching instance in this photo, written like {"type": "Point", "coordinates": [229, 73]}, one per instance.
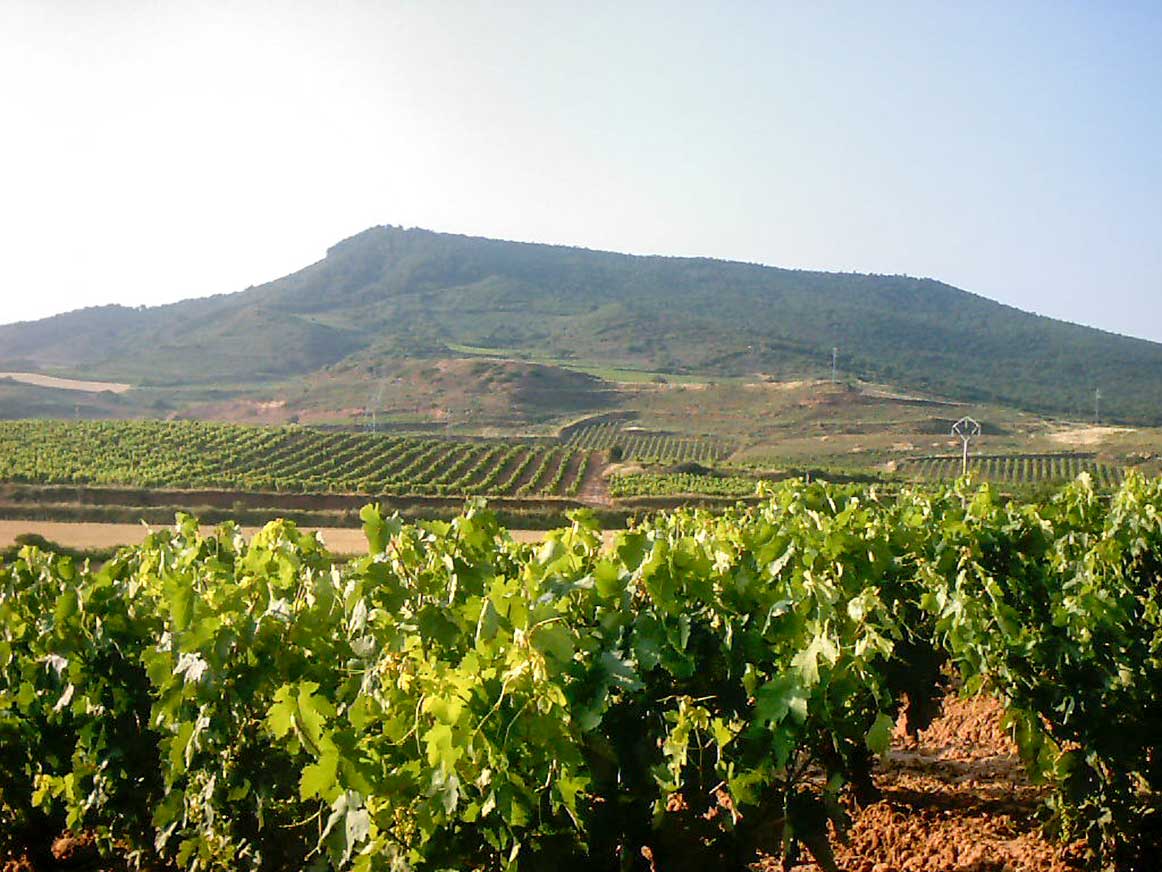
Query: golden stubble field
{"type": "Point", "coordinates": [340, 540]}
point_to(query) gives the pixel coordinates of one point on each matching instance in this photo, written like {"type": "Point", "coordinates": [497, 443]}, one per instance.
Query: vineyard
{"type": "Point", "coordinates": [647, 447]}
{"type": "Point", "coordinates": [1016, 468]}
{"type": "Point", "coordinates": [705, 688]}
{"type": "Point", "coordinates": [678, 484]}
{"type": "Point", "coordinates": [191, 455]}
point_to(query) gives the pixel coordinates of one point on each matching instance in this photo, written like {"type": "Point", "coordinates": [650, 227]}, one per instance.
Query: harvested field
{"type": "Point", "coordinates": [340, 540]}
{"type": "Point", "coordinates": [91, 536]}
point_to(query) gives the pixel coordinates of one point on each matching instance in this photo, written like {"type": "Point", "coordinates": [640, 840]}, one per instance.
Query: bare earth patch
{"type": "Point", "coordinates": [1092, 435]}
{"type": "Point", "coordinates": [955, 799]}
{"type": "Point", "coordinates": [779, 385]}
{"type": "Point", "coordinates": [340, 540]}
{"type": "Point", "coordinates": [242, 412]}
{"type": "Point", "coordinates": [66, 384]}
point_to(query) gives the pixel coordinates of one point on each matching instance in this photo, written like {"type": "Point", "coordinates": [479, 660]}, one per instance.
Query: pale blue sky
{"type": "Point", "coordinates": [155, 151]}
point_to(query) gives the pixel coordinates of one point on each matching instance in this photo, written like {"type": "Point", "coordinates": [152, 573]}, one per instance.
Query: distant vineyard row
{"type": "Point", "coordinates": [1017, 468]}
{"type": "Point", "coordinates": [646, 446]}
{"type": "Point", "coordinates": [192, 454]}
{"type": "Point", "coordinates": [679, 484]}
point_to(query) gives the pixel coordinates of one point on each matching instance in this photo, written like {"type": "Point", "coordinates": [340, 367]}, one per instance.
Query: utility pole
{"type": "Point", "coordinates": [834, 362]}
{"type": "Point", "coordinates": [967, 429]}
{"type": "Point", "coordinates": [1097, 406]}
{"type": "Point", "coordinates": [374, 404]}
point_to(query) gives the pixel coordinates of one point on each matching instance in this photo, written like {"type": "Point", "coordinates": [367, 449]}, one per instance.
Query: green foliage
{"type": "Point", "coordinates": [679, 483]}
{"type": "Point", "coordinates": [642, 445]}
{"type": "Point", "coordinates": [391, 293]}
{"type": "Point", "coordinates": [202, 455]}
{"type": "Point", "coordinates": [1017, 469]}
{"type": "Point", "coordinates": [708, 685]}
{"type": "Point", "coordinates": [13, 551]}
{"type": "Point", "coordinates": [1056, 606]}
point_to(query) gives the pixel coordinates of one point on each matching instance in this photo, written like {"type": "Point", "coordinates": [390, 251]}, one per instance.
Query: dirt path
{"type": "Point", "coordinates": [956, 799]}
{"type": "Point", "coordinates": [340, 540]}
{"type": "Point", "coordinates": [593, 489]}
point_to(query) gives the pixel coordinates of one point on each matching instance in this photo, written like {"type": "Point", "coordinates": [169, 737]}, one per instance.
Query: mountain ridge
{"type": "Point", "coordinates": [389, 293]}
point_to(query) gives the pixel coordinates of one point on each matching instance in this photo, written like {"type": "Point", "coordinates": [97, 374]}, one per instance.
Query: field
{"type": "Point", "coordinates": [198, 455]}
{"type": "Point", "coordinates": [679, 483]}
{"type": "Point", "coordinates": [125, 471]}
{"type": "Point", "coordinates": [1016, 469]}
{"type": "Point", "coordinates": [758, 423]}
{"type": "Point", "coordinates": [66, 384]}
{"type": "Point", "coordinates": [638, 444]}
{"type": "Point", "coordinates": [100, 537]}
{"type": "Point", "coordinates": [706, 690]}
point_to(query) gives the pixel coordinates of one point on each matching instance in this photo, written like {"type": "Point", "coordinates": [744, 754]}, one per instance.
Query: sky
{"type": "Point", "coordinates": [153, 151]}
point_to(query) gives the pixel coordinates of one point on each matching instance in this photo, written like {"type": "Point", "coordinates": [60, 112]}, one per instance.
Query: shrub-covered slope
{"type": "Point", "coordinates": [390, 292]}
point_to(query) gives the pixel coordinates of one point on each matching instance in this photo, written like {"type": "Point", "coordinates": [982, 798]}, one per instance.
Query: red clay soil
{"type": "Point", "coordinates": [956, 799]}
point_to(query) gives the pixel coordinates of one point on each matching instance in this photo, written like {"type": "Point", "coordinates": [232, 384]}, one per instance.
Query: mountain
{"type": "Point", "coordinates": [389, 294]}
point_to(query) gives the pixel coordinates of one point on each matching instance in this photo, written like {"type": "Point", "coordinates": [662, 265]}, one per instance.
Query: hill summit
{"type": "Point", "coordinates": [391, 293]}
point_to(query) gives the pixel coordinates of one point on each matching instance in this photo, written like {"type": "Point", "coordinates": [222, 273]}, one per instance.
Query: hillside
{"type": "Point", "coordinates": [388, 295]}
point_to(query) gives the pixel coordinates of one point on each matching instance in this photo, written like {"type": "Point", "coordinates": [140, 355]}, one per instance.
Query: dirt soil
{"type": "Point", "coordinates": [340, 540]}
{"type": "Point", "coordinates": [86, 536]}
{"type": "Point", "coordinates": [66, 384]}
{"type": "Point", "coordinates": [956, 799]}
{"type": "Point", "coordinates": [1087, 436]}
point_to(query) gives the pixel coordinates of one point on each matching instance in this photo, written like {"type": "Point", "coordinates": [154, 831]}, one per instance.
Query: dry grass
{"type": "Point", "coordinates": [340, 540]}
{"type": "Point", "coordinates": [1087, 435]}
{"type": "Point", "coordinates": [66, 384]}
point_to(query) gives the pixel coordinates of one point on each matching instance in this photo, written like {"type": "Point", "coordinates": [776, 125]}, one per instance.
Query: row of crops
{"type": "Point", "coordinates": [709, 686]}
{"type": "Point", "coordinates": [193, 454]}
{"type": "Point", "coordinates": [678, 484]}
{"type": "Point", "coordinates": [1017, 468]}
{"type": "Point", "coordinates": [647, 447]}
